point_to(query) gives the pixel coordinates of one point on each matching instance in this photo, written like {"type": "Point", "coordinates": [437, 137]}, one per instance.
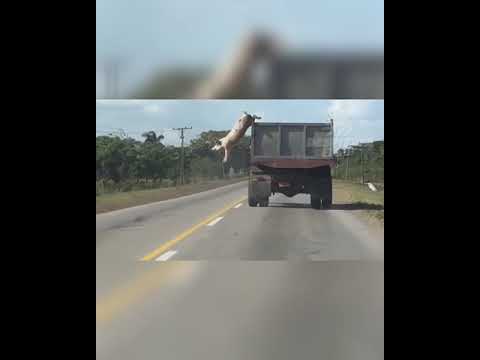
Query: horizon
{"type": "Point", "coordinates": [355, 121]}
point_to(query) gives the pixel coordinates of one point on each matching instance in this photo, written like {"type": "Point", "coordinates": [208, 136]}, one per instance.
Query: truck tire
{"type": "Point", "coordinates": [327, 203]}
{"type": "Point", "coordinates": [252, 201]}
{"type": "Point", "coordinates": [327, 199]}
{"type": "Point", "coordinates": [315, 201]}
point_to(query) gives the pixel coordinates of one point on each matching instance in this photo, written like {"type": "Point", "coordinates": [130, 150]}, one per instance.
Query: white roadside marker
{"type": "Point", "coordinates": [166, 256]}
{"type": "Point", "coordinates": [215, 221]}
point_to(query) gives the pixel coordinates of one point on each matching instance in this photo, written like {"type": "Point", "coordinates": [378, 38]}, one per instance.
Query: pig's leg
{"type": "Point", "coordinates": [219, 145]}
{"type": "Point", "coordinates": [227, 154]}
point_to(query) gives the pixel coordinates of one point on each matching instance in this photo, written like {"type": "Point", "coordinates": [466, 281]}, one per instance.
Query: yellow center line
{"type": "Point", "coordinates": [121, 298]}
{"type": "Point", "coordinates": [169, 244]}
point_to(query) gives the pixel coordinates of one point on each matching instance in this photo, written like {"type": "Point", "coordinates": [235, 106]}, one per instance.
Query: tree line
{"type": "Point", "coordinates": [123, 163]}
{"type": "Point", "coordinates": [365, 159]}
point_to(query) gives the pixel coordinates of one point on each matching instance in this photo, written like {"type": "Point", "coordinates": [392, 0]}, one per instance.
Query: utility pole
{"type": "Point", "coordinates": [346, 168]}
{"type": "Point", "coordinates": [348, 153]}
{"type": "Point", "coordinates": [182, 155]}
{"type": "Point", "coordinates": [361, 148]}
{"type": "Point", "coordinates": [362, 156]}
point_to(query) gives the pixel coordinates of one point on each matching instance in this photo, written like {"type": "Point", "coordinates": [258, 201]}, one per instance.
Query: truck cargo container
{"type": "Point", "coordinates": [291, 159]}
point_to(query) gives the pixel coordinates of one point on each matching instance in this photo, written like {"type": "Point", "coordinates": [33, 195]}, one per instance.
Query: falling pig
{"type": "Point", "coordinates": [234, 136]}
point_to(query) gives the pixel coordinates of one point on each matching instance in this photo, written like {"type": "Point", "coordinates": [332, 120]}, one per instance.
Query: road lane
{"type": "Point", "coordinates": [286, 230]}
{"type": "Point", "coordinates": [252, 310]}
{"type": "Point", "coordinates": [283, 282]}
{"type": "Point", "coordinates": [125, 236]}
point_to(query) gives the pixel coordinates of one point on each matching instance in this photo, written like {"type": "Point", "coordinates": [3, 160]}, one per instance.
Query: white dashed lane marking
{"type": "Point", "coordinates": [215, 221]}
{"type": "Point", "coordinates": [166, 256]}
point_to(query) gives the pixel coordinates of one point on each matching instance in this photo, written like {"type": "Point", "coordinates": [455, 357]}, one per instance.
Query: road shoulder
{"type": "Point", "coordinates": [122, 200]}
{"type": "Point", "coordinates": [367, 205]}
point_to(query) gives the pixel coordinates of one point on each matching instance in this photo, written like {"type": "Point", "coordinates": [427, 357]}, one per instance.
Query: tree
{"type": "Point", "coordinates": [202, 147]}
{"type": "Point", "coordinates": [122, 159]}
{"type": "Point", "coordinates": [112, 161]}
{"type": "Point", "coordinates": [152, 138]}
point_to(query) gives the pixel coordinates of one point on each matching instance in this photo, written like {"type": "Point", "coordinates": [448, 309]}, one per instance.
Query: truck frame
{"type": "Point", "coordinates": [291, 158]}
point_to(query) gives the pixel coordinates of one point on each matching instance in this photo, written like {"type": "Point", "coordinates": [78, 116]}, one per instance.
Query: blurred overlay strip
{"type": "Point", "coordinates": [254, 49]}
{"type": "Point", "coordinates": [262, 69]}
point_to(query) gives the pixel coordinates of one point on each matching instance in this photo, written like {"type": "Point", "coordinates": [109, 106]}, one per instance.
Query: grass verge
{"type": "Point", "coordinates": [356, 196]}
{"type": "Point", "coordinates": [121, 200]}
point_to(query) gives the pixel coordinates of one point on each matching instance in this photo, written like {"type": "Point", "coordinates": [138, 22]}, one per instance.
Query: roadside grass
{"type": "Point", "coordinates": [121, 200]}
{"type": "Point", "coordinates": [356, 196]}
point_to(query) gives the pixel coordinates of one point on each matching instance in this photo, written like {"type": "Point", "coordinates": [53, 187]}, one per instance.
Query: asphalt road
{"type": "Point", "coordinates": [281, 282]}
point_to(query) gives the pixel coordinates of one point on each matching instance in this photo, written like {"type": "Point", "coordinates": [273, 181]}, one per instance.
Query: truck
{"type": "Point", "coordinates": [291, 159]}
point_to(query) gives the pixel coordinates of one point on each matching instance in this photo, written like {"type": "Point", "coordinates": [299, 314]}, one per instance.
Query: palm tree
{"type": "Point", "coordinates": [152, 138]}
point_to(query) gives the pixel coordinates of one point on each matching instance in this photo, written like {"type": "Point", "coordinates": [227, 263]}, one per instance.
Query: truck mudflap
{"type": "Point", "coordinates": [321, 194]}
{"type": "Point", "coordinates": [322, 187]}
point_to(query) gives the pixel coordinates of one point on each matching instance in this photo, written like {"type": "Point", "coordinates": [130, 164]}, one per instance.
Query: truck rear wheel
{"type": "Point", "coordinates": [315, 201]}
{"type": "Point", "coordinates": [327, 203]}
{"type": "Point", "coordinates": [252, 201]}
{"type": "Point", "coordinates": [327, 198]}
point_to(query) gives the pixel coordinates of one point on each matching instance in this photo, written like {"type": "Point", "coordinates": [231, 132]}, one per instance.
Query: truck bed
{"type": "Point", "coordinates": [292, 145]}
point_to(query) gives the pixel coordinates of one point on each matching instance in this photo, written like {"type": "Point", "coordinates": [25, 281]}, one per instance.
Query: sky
{"type": "Point", "coordinates": [354, 120]}
{"type": "Point", "coordinates": [146, 34]}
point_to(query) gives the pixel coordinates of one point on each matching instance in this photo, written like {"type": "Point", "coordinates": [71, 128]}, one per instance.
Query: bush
{"type": "Point", "coordinates": [126, 187]}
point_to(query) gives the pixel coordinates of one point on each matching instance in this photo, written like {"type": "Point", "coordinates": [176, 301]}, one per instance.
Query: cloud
{"type": "Point", "coordinates": [145, 106]}
{"type": "Point", "coordinates": [153, 108]}
{"type": "Point", "coordinates": [349, 109]}
{"type": "Point", "coordinates": [349, 114]}
{"type": "Point", "coordinates": [354, 119]}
